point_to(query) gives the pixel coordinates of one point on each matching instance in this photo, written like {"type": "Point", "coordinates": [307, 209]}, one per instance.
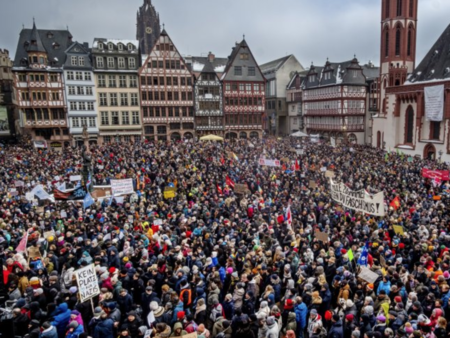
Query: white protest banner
{"type": "Point", "coordinates": [40, 144]}
{"type": "Point", "coordinates": [87, 282]}
{"type": "Point", "coordinates": [19, 183]}
{"type": "Point", "coordinates": [29, 196]}
{"type": "Point", "coordinates": [40, 192]}
{"type": "Point", "coordinates": [368, 275]}
{"type": "Point", "coordinates": [358, 200]}
{"type": "Point", "coordinates": [75, 178]}
{"type": "Point", "coordinates": [434, 103]}
{"type": "Point", "coordinates": [299, 151]}
{"type": "Point", "coordinates": [269, 163]}
{"type": "Point", "coordinates": [333, 142]}
{"type": "Point", "coordinates": [122, 187]}
{"type": "Point", "coordinates": [323, 169]}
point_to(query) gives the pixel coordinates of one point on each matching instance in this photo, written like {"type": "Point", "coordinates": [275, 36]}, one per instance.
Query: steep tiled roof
{"type": "Point", "coordinates": [274, 65]}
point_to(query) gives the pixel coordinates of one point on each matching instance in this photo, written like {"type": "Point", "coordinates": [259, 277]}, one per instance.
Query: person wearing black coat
{"type": "Point", "coordinates": [248, 307]}
{"type": "Point", "coordinates": [20, 322]}
{"type": "Point", "coordinates": [132, 324]}
{"type": "Point", "coordinates": [336, 329]}
{"type": "Point", "coordinates": [125, 302]}
{"type": "Point", "coordinates": [34, 329]}
{"type": "Point", "coordinates": [146, 298]}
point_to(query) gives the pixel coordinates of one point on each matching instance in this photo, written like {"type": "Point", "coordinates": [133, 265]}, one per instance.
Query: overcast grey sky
{"type": "Point", "coordinates": [312, 30]}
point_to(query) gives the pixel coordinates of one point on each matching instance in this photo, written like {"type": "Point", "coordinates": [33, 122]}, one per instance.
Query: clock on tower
{"type": "Point", "coordinates": [149, 30]}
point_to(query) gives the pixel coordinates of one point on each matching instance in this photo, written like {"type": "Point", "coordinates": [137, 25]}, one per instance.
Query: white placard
{"type": "Point", "coordinates": [358, 200]}
{"type": "Point", "coordinates": [269, 163]}
{"type": "Point", "coordinates": [434, 103]}
{"type": "Point", "coordinates": [40, 192]}
{"type": "Point", "coordinates": [299, 151]}
{"type": "Point", "coordinates": [57, 178]}
{"type": "Point", "coordinates": [333, 142]}
{"type": "Point", "coordinates": [122, 187]}
{"type": "Point", "coordinates": [75, 178]}
{"type": "Point", "coordinates": [29, 196]}
{"type": "Point", "coordinates": [87, 283]}
{"type": "Point", "coordinates": [40, 144]}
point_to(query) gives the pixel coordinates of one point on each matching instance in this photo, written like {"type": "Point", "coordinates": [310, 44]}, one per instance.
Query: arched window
{"type": "Point", "coordinates": [398, 35]}
{"type": "Point", "coordinates": [386, 46]}
{"type": "Point", "coordinates": [409, 123]}
{"type": "Point", "coordinates": [399, 7]}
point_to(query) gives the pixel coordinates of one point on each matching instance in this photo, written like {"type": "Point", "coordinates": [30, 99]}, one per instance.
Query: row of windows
{"type": "Point", "coordinates": [89, 106]}
{"type": "Point", "coordinates": [351, 120]}
{"type": "Point", "coordinates": [213, 121]}
{"type": "Point", "coordinates": [271, 104]}
{"type": "Point", "coordinates": [211, 90]}
{"type": "Point", "coordinates": [40, 96]}
{"type": "Point", "coordinates": [238, 71]}
{"type": "Point", "coordinates": [37, 77]}
{"type": "Point", "coordinates": [35, 59]}
{"type": "Point", "coordinates": [399, 8]}
{"type": "Point", "coordinates": [77, 61]}
{"type": "Point", "coordinates": [166, 96]}
{"type": "Point", "coordinates": [111, 62]}
{"type": "Point", "coordinates": [124, 81]}
{"type": "Point", "coordinates": [243, 101]}
{"type": "Point", "coordinates": [44, 114]}
{"type": "Point", "coordinates": [120, 46]}
{"type": "Point", "coordinates": [114, 99]}
{"type": "Point", "coordinates": [353, 104]}
{"type": "Point", "coordinates": [242, 119]}
{"type": "Point", "coordinates": [118, 138]}
{"type": "Point", "coordinates": [115, 118]}
{"type": "Point", "coordinates": [78, 122]}
{"type": "Point", "coordinates": [80, 76]}
{"type": "Point", "coordinates": [167, 111]}
{"type": "Point", "coordinates": [161, 130]}
{"type": "Point", "coordinates": [168, 80]}
{"type": "Point", "coordinates": [167, 64]}
{"type": "Point", "coordinates": [243, 87]}
{"type": "Point", "coordinates": [209, 105]}
{"type": "Point", "coordinates": [80, 90]}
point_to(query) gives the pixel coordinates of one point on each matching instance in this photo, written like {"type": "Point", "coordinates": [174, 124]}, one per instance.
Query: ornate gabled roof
{"type": "Point", "coordinates": [435, 65]}
{"type": "Point", "coordinates": [35, 44]}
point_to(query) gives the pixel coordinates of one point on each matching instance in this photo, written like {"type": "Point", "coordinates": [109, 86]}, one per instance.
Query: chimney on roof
{"type": "Point", "coordinates": [211, 57]}
{"type": "Point", "coordinates": [86, 44]}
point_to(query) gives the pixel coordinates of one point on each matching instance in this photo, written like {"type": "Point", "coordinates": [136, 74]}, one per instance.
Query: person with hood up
{"type": "Point", "coordinates": [272, 330]}
{"type": "Point", "coordinates": [238, 295]}
{"type": "Point", "coordinates": [61, 319]}
{"type": "Point", "coordinates": [314, 319]}
{"type": "Point", "coordinates": [76, 316]}
{"type": "Point", "coordinates": [264, 311]}
{"type": "Point", "coordinates": [291, 324]}
{"type": "Point", "coordinates": [221, 326]}
{"type": "Point", "coordinates": [74, 330]}
{"type": "Point", "coordinates": [336, 329]}
{"type": "Point", "coordinates": [34, 330]}
{"type": "Point", "coordinates": [178, 330]}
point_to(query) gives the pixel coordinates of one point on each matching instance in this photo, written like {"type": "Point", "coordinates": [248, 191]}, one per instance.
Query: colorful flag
{"type": "Point", "coordinates": [350, 255]}
{"type": "Point", "coordinates": [362, 260]}
{"type": "Point", "coordinates": [230, 182]}
{"type": "Point", "coordinates": [22, 247]}
{"type": "Point", "coordinates": [260, 190]}
{"type": "Point", "coordinates": [395, 203]}
{"type": "Point", "coordinates": [222, 160]}
{"type": "Point", "coordinates": [219, 190]}
{"type": "Point", "coordinates": [289, 215]}
{"type": "Point", "coordinates": [297, 166]}
{"type": "Point", "coordinates": [88, 201]}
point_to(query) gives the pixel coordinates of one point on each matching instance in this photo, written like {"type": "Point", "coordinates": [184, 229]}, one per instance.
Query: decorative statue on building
{"type": "Point", "coordinates": [87, 159]}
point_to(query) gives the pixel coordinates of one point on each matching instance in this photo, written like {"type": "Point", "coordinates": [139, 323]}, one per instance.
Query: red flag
{"type": "Point", "coordinates": [280, 219]}
{"type": "Point", "coordinates": [297, 166]}
{"type": "Point", "coordinates": [289, 215]}
{"type": "Point", "coordinates": [395, 203]}
{"type": "Point", "coordinates": [22, 247]}
{"type": "Point", "coordinates": [442, 175]}
{"type": "Point", "coordinates": [230, 182]}
{"type": "Point", "coordinates": [284, 167]}
{"type": "Point", "coordinates": [219, 190]}
{"type": "Point", "coordinates": [222, 160]}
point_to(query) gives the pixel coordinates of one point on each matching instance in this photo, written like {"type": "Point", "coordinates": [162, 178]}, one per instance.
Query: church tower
{"type": "Point", "coordinates": [147, 27]}
{"type": "Point", "coordinates": [398, 43]}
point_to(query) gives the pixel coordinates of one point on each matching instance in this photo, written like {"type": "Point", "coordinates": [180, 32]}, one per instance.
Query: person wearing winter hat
{"type": "Point", "coordinates": [74, 330]}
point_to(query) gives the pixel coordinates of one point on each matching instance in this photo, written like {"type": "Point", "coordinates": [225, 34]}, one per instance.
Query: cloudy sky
{"type": "Point", "coordinates": [312, 30]}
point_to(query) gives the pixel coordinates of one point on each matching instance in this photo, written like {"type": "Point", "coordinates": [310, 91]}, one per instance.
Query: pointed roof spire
{"type": "Point", "coordinates": [164, 30]}
{"type": "Point", "coordinates": [35, 40]}
{"type": "Point", "coordinates": [208, 68]}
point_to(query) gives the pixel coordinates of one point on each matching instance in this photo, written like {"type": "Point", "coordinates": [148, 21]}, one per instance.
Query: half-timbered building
{"type": "Point", "coordinates": [38, 82]}
{"type": "Point", "coordinates": [335, 100]}
{"type": "Point", "coordinates": [294, 102]}
{"type": "Point", "coordinates": [166, 86]}
{"type": "Point", "coordinates": [244, 94]}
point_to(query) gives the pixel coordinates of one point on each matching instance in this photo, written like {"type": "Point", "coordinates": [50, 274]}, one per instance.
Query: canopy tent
{"type": "Point", "coordinates": [211, 138]}
{"type": "Point", "coordinates": [299, 134]}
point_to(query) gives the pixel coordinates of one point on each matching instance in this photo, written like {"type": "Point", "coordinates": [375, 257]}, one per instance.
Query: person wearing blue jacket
{"type": "Point", "coordinates": [384, 285]}
{"type": "Point", "coordinates": [301, 314]}
{"type": "Point", "coordinates": [74, 330]}
{"type": "Point", "coordinates": [49, 331]}
{"type": "Point", "coordinates": [104, 328]}
{"type": "Point", "coordinates": [61, 319]}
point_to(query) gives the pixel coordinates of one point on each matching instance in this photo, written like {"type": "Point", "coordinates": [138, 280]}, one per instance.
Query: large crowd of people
{"type": "Point", "coordinates": [222, 263]}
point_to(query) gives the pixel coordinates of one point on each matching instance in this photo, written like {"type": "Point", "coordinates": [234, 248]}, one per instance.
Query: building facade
{"type": "Point", "coordinates": [244, 94]}
{"type": "Point", "coordinates": [147, 27]}
{"type": "Point", "coordinates": [166, 86]}
{"type": "Point", "coordinates": [294, 102]}
{"type": "Point", "coordinates": [208, 94]}
{"type": "Point", "coordinates": [335, 101]}
{"type": "Point", "coordinates": [278, 74]}
{"type": "Point", "coordinates": [39, 84]}
{"type": "Point", "coordinates": [8, 114]}
{"type": "Point", "coordinates": [116, 64]}
{"type": "Point", "coordinates": [404, 122]}
{"type": "Point", "coordinates": [80, 93]}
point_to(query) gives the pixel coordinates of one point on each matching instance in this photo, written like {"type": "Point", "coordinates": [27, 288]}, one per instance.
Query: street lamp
{"type": "Point", "coordinates": [440, 154]}
{"type": "Point", "coordinates": [384, 145]}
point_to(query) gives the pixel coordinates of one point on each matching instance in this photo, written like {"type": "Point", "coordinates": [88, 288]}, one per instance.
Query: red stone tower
{"type": "Point", "coordinates": [398, 43]}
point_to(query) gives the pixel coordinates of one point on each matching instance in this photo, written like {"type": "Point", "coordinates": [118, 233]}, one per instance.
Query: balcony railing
{"type": "Point", "coordinates": [335, 127]}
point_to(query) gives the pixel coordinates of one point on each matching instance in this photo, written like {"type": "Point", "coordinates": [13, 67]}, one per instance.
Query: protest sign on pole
{"type": "Point", "coordinates": [398, 229]}
{"type": "Point", "coordinates": [122, 187]}
{"type": "Point", "coordinates": [329, 174]}
{"type": "Point", "coordinates": [358, 200]}
{"type": "Point", "coordinates": [87, 282]}
{"type": "Point", "coordinates": [74, 178]}
{"type": "Point", "coordinates": [368, 275]}
{"type": "Point", "coordinates": [240, 188]}
{"type": "Point", "coordinates": [322, 236]}
{"type": "Point", "coordinates": [269, 163]}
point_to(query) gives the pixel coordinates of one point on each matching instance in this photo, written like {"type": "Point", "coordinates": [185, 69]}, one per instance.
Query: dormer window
{"type": "Point", "coordinates": [130, 46]}
{"type": "Point", "coordinates": [120, 46]}
{"type": "Point", "coordinates": [327, 75]}
{"type": "Point", "coordinates": [50, 35]}
{"type": "Point", "coordinates": [110, 46]}
{"type": "Point", "coordinates": [55, 45]}
{"type": "Point", "coordinates": [312, 78]}
{"type": "Point", "coordinates": [100, 45]}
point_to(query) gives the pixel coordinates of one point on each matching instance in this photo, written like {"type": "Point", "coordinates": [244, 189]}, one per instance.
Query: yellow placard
{"type": "Point", "coordinates": [398, 229]}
